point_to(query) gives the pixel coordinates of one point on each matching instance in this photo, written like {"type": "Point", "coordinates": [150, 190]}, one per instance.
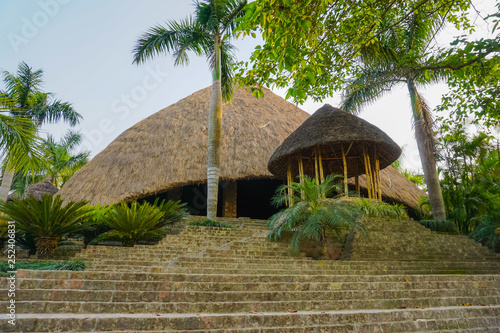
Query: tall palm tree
{"type": "Point", "coordinates": [207, 34]}
{"type": "Point", "coordinates": [397, 58]}
{"type": "Point", "coordinates": [24, 89]}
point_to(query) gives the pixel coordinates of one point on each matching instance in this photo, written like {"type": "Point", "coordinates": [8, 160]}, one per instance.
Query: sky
{"type": "Point", "coordinates": [85, 50]}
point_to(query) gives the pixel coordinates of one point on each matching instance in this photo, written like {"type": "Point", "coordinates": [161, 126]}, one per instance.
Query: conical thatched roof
{"type": "Point", "coordinates": [169, 148]}
{"type": "Point", "coordinates": [395, 187]}
{"type": "Point", "coordinates": [329, 128]}
{"type": "Point", "coordinates": [41, 188]}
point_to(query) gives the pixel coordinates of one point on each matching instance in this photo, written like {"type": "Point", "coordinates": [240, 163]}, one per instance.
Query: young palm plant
{"type": "Point", "coordinates": [48, 219]}
{"type": "Point", "coordinates": [207, 34]}
{"type": "Point", "coordinates": [313, 213]}
{"type": "Point", "coordinates": [135, 222]}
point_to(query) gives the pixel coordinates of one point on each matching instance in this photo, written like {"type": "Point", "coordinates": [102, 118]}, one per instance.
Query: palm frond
{"type": "Point", "coordinates": [234, 10]}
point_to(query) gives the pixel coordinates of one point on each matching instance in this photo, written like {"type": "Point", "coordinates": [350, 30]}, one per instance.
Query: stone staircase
{"type": "Point", "coordinates": [405, 278]}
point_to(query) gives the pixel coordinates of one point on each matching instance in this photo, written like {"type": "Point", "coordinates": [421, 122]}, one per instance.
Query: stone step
{"type": "Point", "coordinates": [361, 284]}
{"type": "Point", "coordinates": [230, 306]}
{"type": "Point", "coordinates": [449, 319]}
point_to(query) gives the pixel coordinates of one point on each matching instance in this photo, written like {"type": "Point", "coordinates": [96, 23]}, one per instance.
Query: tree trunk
{"type": "Point", "coordinates": [8, 177]}
{"type": "Point", "coordinates": [214, 135]}
{"type": "Point", "coordinates": [324, 251]}
{"type": "Point", "coordinates": [45, 246]}
{"type": "Point", "coordinates": [425, 145]}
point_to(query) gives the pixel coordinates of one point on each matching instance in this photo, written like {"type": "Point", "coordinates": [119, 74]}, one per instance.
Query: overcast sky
{"type": "Point", "coordinates": [85, 49]}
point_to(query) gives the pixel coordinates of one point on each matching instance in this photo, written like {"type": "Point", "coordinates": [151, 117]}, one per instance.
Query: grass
{"type": "Point", "coordinates": [72, 265]}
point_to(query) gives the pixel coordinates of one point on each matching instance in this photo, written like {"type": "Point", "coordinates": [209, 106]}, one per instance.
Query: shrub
{"type": "Point", "coordinates": [211, 223]}
{"type": "Point", "coordinates": [72, 265]}
{"type": "Point", "coordinates": [437, 225]}
{"type": "Point", "coordinates": [381, 209]}
{"type": "Point", "coordinates": [139, 221]}
{"type": "Point", "coordinates": [48, 219]}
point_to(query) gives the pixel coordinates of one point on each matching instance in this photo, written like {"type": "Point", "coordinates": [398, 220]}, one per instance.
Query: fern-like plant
{"type": "Point", "coordinates": [211, 223]}
{"type": "Point", "coordinates": [381, 209]}
{"type": "Point", "coordinates": [48, 219]}
{"type": "Point", "coordinates": [313, 213]}
{"type": "Point", "coordinates": [135, 222]}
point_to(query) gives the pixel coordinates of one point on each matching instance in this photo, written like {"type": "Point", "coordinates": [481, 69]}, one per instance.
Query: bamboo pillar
{"type": "Point", "coordinates": [301, 172]}
{"type": "Point", "coordinates": [345, 171]}
{"type": "Point", "coordinates": [356, 176]}
{"type": "Point", "coordinates": [321, 174]}
{"type": "Point", "coordinates": [367, 173]}
{"type": "Point", "coordinates": [289, 179]}
{"type": "Point", "coordinates": [377, 175]}
{"type": "Point", "coordinates": [316, 169]}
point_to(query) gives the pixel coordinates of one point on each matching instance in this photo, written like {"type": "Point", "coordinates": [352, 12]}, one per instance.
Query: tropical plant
{"type": "Point", "coordinates": [313, 213]}
{"type": "Point", "coordinates": [397, 57]}
{"type": "Point", "coordinates": [48, 219]}
{"type": "Point", "coordinates": [207, 34]}
{"type": "Point", "coordinates": [136, 221]}
{"type": "Point", "coordinates": [173, 211]}
{"type": "Point", "coordinates": [61, 162]}
{"type": "Point", "coordinates": [442, 226]}
{"type": "Point", "coordinates": [211, 223]}
{"type": "Point", "coordinates": [488, 232]}
{"type": "Point", "coordinates": [373, 208]}
{"type": "Point", "coordinates": [27, 101]}
{"type": "Point", "coordinates": [71, 265]}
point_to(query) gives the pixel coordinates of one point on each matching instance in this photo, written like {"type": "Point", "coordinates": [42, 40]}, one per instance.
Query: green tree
{"type": "Point", "coordinates": [207, 34]}
{"type": "Point", "coordinates": [313, 213]}
{"type": "Point", "coordinates": [396, 58]}
{"type": "Point", "coordinates": [61, 163]}
{"type": "Point", "coordinates": [23, 88]}
{"type": "Point", "coordinates": [311, 47]}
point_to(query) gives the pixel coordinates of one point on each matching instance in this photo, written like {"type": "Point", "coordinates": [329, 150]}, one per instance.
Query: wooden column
{"type": "Point", "coordinates": [356, 176]}
{"type": "Point", "coordinates": [289, 179]}
{"type": "Point", "coordinates": [377, 175]}
{"type": "Point", "coordinates": [316, 168]}
{"type": "Point", "coordinates": [321, 173]}
{"type": "Point", "coordinates": [367, 172]}
{"type": "Point", "coordinates": [344, 161]}
{"type": "Point", "coordinates": [301, 172]}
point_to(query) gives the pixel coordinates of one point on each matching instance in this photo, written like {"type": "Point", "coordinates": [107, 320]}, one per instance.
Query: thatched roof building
{"type": "Point", "coordinates": [168, 150]}
{"type": "Point", "coordinates": [333, 141]}
{"type": "Point", "coordinates": [41, 188]}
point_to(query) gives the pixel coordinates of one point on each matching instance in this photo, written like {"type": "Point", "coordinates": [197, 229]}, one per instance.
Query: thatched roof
{"type": "Point", "coordinates": [41, 188]}
{"type": "Point", "coordinates": [395, 187]}
{"type": "Point", "coordinates": [169, 148]}
{"type": "Point", "coordinates": [329, 128]}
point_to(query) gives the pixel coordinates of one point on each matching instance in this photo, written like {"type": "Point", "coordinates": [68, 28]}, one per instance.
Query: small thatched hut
{"type": "Point", "coordinates": [41, 188]}
{"type": "Point", "coordinates": [165, 155]}
{"type": "Point", "coordinates": [333, 141]}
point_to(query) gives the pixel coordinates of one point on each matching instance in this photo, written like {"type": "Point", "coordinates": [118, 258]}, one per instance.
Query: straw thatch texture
{"type": "Point", "coordinates": [329, 129]}
{"type": "Point", "coordinates": [395, 187]}
{"type": "Point", "coordinates": [41, 188]}
{"type": "Point", "coordinates": [169, 148]}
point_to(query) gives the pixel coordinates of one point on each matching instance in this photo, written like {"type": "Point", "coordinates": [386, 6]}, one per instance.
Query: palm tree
{"type": "Point", "coordinates": [397, 57]}
{"type": "Point", "coordinates": [207, 34]}
{"type": "Point", "coordinates": [61, 163]}
{"type": "Point", "coordinates": [313, 213]}
{"type": "Point", "coordinates": [29, 102]}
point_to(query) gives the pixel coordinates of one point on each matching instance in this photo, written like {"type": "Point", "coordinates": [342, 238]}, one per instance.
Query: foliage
{"type": "Point", "coordinates": [173, 211]}
{"type": "Point", "coordinates": [311, 47]}
{"type": "Point", "coordinates": [381, 209]}
{"type": "Point", "coordinates": [475, 88]}
{"type": "Point", "coordinates": [136, 222]}
{"type": "Point", "coordinates": [488, 232]}
{"type": "Point", "coordinates": [61, 162]}
{"type": "Point", "coordinates": [470, 177]}
{"type": "Point", "coordinates": [312, 213]}
{"type": "Point", "coordinates": [47, 219]}
{"type": "Point", "coordinates": [437, 225]}
{"type": "Point", "coordinates": [211, 223]}
{"type": "Point", "coordinates": [72, 265]}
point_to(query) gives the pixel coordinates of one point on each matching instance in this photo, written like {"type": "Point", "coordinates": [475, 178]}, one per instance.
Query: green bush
{"type": "Point", "coordinates": [48, 219]}
{"type": "Point", "coordinates": [72, 265]}
{"type": "Point", "coordinates": [211, 223]}
{"type": "Point", "coordinates": [436, 225]}
{"type": "Point", "coordinates": [140, 221]}
{"type": "Point", "coordinates": [488, 231]}
{"type": "Point", "coordinates": [381, 209]}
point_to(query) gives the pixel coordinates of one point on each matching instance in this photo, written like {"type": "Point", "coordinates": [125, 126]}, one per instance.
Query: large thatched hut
{"type": "Point", "coordinates": [333, 141]}
{"type": "Point", "coordinates": [165, 155]}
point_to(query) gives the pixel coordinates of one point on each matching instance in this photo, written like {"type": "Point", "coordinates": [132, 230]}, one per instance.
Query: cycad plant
{"type": "Point", "coordinates": [48, 219]}
{"type": "Point", "coordinates": [313, 213]}
{"type": "Point", "coordinates": [136, 221]}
